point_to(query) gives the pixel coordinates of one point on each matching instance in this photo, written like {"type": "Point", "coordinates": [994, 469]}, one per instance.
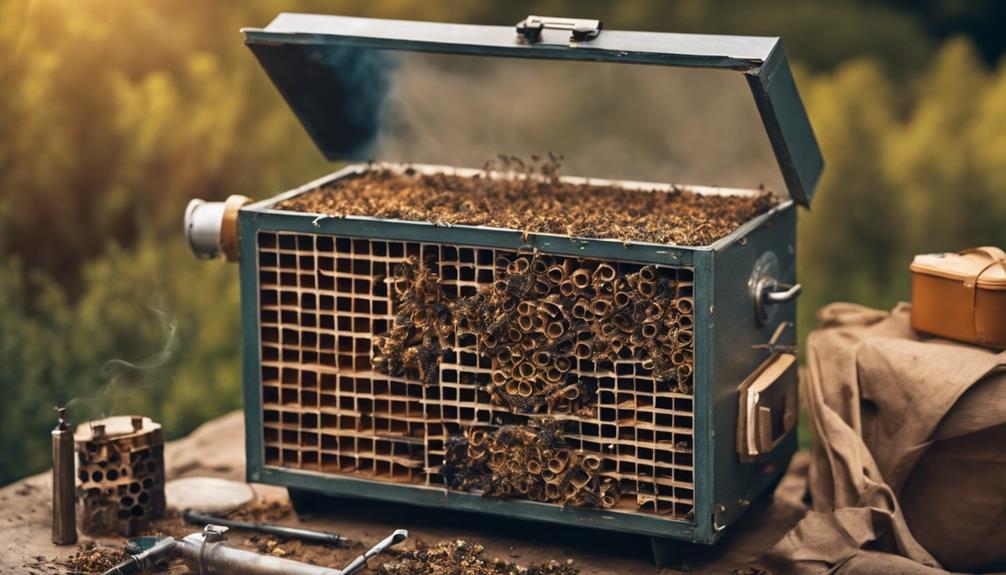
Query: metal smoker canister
{"type": "Point", "coordinates": [64, 501]}
{"type": "Point", "coordinates": [121, 468]}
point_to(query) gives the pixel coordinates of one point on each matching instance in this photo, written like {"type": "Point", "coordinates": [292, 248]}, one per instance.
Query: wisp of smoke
{"type": "Point", "coordinates": [128, 378]}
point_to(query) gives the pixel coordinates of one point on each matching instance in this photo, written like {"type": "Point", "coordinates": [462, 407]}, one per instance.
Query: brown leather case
{"type": "Point", "coordinates": [961, 296]}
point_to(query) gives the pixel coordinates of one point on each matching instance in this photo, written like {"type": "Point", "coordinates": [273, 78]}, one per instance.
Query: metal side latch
{"type": "Point", "coordinates": [580, 29]}
{"type": "Point", "coordinates": [766, 290]}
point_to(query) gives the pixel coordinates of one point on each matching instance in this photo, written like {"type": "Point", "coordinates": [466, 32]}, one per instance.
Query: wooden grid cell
{"type": "Point", "coordinates": [322, 302]}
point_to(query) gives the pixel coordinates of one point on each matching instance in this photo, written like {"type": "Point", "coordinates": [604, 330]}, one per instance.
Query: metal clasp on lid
{"type": "Point", "coordinates": [580, 29]}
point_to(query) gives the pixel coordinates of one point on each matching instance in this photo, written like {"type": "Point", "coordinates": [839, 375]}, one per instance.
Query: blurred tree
{"type": "Point", "coordinates": [850, 246]}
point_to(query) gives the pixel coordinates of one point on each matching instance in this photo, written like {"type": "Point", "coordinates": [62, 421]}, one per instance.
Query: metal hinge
{"type": "Point", "coordinates": [580, 29]}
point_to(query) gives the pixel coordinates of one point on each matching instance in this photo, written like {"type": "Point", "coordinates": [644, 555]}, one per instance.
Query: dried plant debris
{"type": "Point", "coordinates": [539, 320]}
{"type": "Point", "coordinates": [92, 558]}
{"type": "Point", "coordinates": [531, 461]}
{"type": "Point", "coordinates": [463, 558]}
{"type": "Point", "coordinates": [530, 197]}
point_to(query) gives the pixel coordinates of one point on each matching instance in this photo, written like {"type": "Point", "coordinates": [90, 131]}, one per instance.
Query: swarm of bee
{"type": "Point", "coordinates": [537, 321]}
{"type": "Point", "coordinates": [421, 328]}
{"type": "Point", "coordinates": [529, 461]}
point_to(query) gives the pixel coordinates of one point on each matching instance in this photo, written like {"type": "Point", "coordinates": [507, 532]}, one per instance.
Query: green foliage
{"type": "Point", "coordinates": [113, 114]}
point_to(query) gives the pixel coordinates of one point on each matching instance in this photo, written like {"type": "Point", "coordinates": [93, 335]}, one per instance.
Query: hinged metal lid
{"type": "Point", "coordinates": [321, 63]}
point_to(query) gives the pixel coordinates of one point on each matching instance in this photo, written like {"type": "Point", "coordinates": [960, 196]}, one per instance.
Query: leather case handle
{"type": "Point", "coordinates": [998, 258]}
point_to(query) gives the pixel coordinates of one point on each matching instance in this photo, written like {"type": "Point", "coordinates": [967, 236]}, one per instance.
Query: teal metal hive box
{"type": "Point", "coordinates": [687, 460]}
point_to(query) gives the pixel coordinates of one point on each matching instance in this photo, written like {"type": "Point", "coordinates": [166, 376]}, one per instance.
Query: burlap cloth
{"type": "Point", "coordinates": [908, 467]}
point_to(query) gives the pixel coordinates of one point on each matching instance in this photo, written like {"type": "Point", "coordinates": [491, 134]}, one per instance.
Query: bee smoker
{"type": "Point", "coordinates": [64, 500]}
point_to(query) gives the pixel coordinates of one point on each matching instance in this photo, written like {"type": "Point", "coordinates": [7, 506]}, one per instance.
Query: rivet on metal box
{"type": "Point", "coordinates": [638, 435]}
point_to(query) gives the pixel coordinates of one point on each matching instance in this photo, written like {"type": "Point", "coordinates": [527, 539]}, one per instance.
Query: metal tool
{"type": "Point", "coordinates": [64, 499]}
{"type": "Point", "coordinates": [206, 554]}
{"type": "Point", "coordinates": [309, 535]}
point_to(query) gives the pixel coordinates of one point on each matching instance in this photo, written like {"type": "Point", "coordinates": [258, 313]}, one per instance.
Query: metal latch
{"type": "Point", "coordinates": [766, 290]}
{"type": "Point", "coordinates": [580, 29]}
{"type": "Point", "coordinates": [767, 407]}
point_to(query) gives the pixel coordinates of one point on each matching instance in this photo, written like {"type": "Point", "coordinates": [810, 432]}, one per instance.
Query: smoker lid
{"type": "Point", "coordinates": [320, 62]}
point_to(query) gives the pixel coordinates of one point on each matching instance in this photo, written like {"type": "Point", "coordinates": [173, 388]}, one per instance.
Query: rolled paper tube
{"type": "Point", "coordinates": [647, 273]}
{"type": "Point", "coordinates": [505, 487]}
{"type": "Point", "coordinates": [547, 475]}
{"type": "Point", "coordinates": [686, 321]}
{"type": "Point", "coordinates": [552, 491]}
{"type": "Point", "coordinates": [580, 278]}
{"type": "Point", "coordinates": [563, 364]}
{"type": "Point", "coordinates": [550, 309]}
{"type": "Point", "coordinates": [533, 466]}
{"type": "Point", "coordinates": [583, 350]}
{"type": "Point", "coordinates": [649, 330]}
{"type": "Point", "coordinates": [525, 323]}
{"type": "Point", "coordinates": [522, 265]}
{"type": "Point", "coordinates": [511, 387]}
{"type": "Point", "coordinates": [591, 462]}
{"type": "Point", "coordinates": [478, 437]}
{"type": "Point", "coordinates": [509, 303]}
{"type": "Point", "coordinates": [537, 323]}
{"type": "Point", "coordinates": [683, 336]}
{"type": "Point", "coordinates": [555, 274]}
{"type": "Point", "coordinates": [616, 344]}
{"type": "Point", "coordinates": [621, 299]}
{"type": "Point", "coordinates": [489, 340]}
{"type": "Point", "coordinates": [580, 309]}
{"type": "Point", "coordinates": [600, 306]}
{"type": "Point", "coordinates": [556, 465]}
{"type": "Point", "coordinates": [684, 372]}
{"type": "Point", "coordinates": [476, 452]}
{"type": "Point", "coordinates": [525, 307]}
{"type": "Point", "coordinates": [677, 358]}
{"type": "Point", "coordinates": [608, 329]}
{"type": "Point", "coordinates": [647, 363]}
{"type": "Point", "coordinates": [541, 287]}
{"type": "Point", "coordinates": [524, 370]}
{"type": "Point", "coordinates": [504, 355]}
{"type": "Point", "coordinates": [539, 265]}
{"type": "Point", "coordinates": [514, 466]}
{"type": "Point", "coordinates": [646, 288]}
{"type": "Point", "coordinates": [654, 311]}
{"type": "Point", "coordinates": [608, 501]}
{"type": "Point", "coordinates": [522, 486]}
{"type": "Point", "coordinates": [562, 454]}
{"type": "Point", "coordinates": [529, 343]}
{"type": "Point", "coordinates": [571, 392]}
{"type": "Point", "coordinates": [498, 458]}
{"type": "Point", "coordinates": [541, 358]}
{"type": "Point", "coordinates": [580, 478]}
{"type": "Point", "coordinates": [604, 273]}
{"type": "Point", "coordinates": [684, 305]}
{"type": "Point", "coordinates": [636, 339]}
{"type": "Point", "coordinates": [553, 375]}
{"type": "Point", "coordinates": [569, 490]}
{"type": "Point", "coordinates": [499, 286]}
{"type": "Point", "coordinates": [502, 262]}
{"type": "Point", "coordinates": [555, 329]}
{"type": "Point", "coordinates": [567, 288]}
{"type": "Point", "coordinates": [514, 335]}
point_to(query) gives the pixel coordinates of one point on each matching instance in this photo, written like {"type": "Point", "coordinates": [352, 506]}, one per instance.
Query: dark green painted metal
{"type": "Point", "coordinates": [511, 508]}
{"type": "Point", "coordinates": [735, 333]}
{"type": "Point", "coordinates": [307, 57]}
{"type": "Point", "coordinates": [725, 333]}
